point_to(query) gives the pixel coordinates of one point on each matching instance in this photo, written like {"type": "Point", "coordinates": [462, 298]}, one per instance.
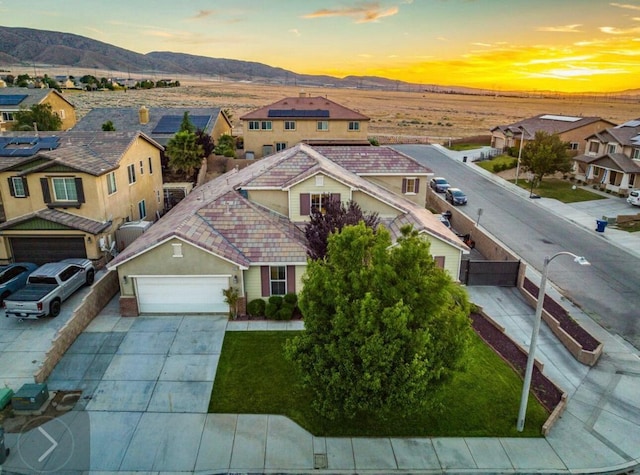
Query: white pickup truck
{"type": "Point", "coordinates": [47, 287]}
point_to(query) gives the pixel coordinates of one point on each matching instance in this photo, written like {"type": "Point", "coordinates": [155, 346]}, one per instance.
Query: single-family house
{"type": "Point", "coordinates": [14, 99]}
{"type": "Point", "coordinates": [245, 229]}
{"type": "Point", "coordinates": [65, 194]}
{"type": "Point", "coordinates": [611, 159]}
{"type": "Point", "coordinates": [313, 120]}
{"type": "Point", "coordinates": [158, 123]}
{"type": "Point", "coordinates": [570, 129]}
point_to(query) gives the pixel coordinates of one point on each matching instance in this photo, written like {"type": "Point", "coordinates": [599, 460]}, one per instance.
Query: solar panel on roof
{"type": "Point", "coordinates": [170, 124]}
{"type": "Point", "coordinates": [298, 113]}
{"type": "Point", "coordinates": [562, 118]}
{"type": "Point", "coordinates": [26, 146]}
{"type": "Point", "coordinates": [12, 99]}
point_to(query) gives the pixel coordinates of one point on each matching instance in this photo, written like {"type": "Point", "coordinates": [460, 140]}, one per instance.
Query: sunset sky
{"type": "Point", "coordinates": [560, 45]}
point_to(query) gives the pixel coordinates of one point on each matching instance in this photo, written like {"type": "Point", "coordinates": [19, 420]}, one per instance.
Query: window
{"type": "Point", "coordinates": [593, 147]}
{"type": "Point", "coordinates": [64, 189]}
{"type": "Point", "coordinates": [323, 125]}
{"type": "Point", "coordinates": [596, 171]}
{"type": "Point", "coordinates": [111, 183]}
{"type": "Point", "coordinates": [289, 125]}
{"type": "Point", "coordinates": [7, 116]}
{"type": "Point", "coordinates": [280, 146]}
{"type": "Point", "coordinates": [150, 166]}
{"type": "Point", "coordinates": [319, 201]}
{"type": "Point", "coordinates": [131, 170]}
{"type": "Point", "coordinates": [574, 146]}
{"type": "Point", "coordinates": [354, 125]}
{"type": "Point", "coordinates": [411, 187]}
{"type": "Point", "coordinates": [254, 125]}
{"type": "Point", "coordinates": [636, 154]}
{"type": "Point", "coordinates": [265, 125]}
{"type": "Point", "coordinates": [611, 148]}
{"type": "Point", "coordinates": [18, 187]}
{"type": "Point", "coordinates": [69, 272]}
{"type": "Point", "coordinates": [278, 280]}
{"type": "Point", "coordinates": [142, 209]}
{"type": "Point", "coordinates": [141, 168]}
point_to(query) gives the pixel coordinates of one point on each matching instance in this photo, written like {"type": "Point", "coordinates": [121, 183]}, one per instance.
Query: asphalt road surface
{"type": "Point", "coordinates": [608, 290]}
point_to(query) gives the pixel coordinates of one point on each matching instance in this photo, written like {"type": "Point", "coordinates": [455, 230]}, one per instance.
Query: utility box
{"type": "Point", "coordinates": [128, 232]}
{"type": "Point", "coordinates": [5, 397]}
{"type": "Point", "coordinates": [30, 397]}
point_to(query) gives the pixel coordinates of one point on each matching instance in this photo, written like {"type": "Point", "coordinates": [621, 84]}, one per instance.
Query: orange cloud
{"type": "Point", "coordinates": [364, 13]}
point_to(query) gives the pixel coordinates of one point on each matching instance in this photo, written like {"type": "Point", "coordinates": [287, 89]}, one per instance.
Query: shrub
{"type": "Point", "coordinates": [276, 300]}
{"type": "Point", "coordinates": [291, 299]}
{"type": "Point", "coordinates": [286, 312]}
{"type": "Point", "coordinates": [256, 308]}
{"type": "Point", "coordinates": [271, 310]}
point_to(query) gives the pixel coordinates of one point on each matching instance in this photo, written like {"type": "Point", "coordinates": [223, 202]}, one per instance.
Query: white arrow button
{"type": "Point", "coordinates": [54, 444]}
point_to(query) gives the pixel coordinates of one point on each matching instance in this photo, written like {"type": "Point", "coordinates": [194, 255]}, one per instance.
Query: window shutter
{"type": "Point", "coordinates": [79, 190]}
{"type": "Point", "coordinates": [439, 260]}
{"type": "Point", "coordinates": [291, 279]}
{"type": "Point", "coordinates": [264, 278]}
{"type": "Point", "coordinates": [417, 190]}
{"type": "Point", "coordinates": [305, 204]}
{"type": "Point", "coordinates": [335, 197]}
{"type": "Point", "coordinates": [11, 190]}
{"type": "Point", "coordinates": [404, 185]}
{"type": "Point", "coordinates": [46, 194]}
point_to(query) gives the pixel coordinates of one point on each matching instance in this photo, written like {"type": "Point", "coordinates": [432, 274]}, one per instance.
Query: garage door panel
{"type": "Point", "coordinates": [181, 294]}
{"type": "Point", "coordinates": [41, 250]}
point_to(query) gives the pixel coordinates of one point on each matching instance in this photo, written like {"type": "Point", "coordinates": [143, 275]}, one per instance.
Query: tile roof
{"type": "Point", "coordinates": [551, 124]}
{"type": "Point", "coordinates": [378, 160]}
{"type": "Point", "coordinates": [299, 107]}
{"type": "Point", "coordinates": [613, 161]}
{"type": "Point", "coordinates": [95, 153]}
{"type": "Point", "coordinates": [216, 217]}
{"type": "Point", "coordinates": [128, 119]}
{"type": "Point", "coordinates": [60, 217]}
{"type": "Point", "coordinates": [34, 96]}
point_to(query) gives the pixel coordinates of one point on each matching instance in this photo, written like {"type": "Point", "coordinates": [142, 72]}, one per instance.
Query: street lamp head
{"type": "Point", "coordinates": [582, 261]}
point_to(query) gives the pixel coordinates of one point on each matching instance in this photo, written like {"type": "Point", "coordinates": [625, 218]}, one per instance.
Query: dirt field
{"type": "Point", "coordinates": [437, 117]}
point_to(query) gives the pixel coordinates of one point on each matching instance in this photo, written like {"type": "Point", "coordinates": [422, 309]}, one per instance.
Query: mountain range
{"type": "Point", "coordinates": [28, 47]}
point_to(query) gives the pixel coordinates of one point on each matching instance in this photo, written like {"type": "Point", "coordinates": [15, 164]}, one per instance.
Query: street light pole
{"type": "Point", "coordinates": [536, 329]}
{"type": "Point", "coordinates": [519, 153]}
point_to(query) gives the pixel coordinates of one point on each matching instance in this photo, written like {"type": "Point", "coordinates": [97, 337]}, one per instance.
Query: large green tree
{"type": "Point", "coordinates": [39, 114]}
{"type": "Point", "coordinates": [383, 324]}
{"type": "Point", "coordinates": [545, 155]}
{"type": "Point", "coordinates": [185, 154]}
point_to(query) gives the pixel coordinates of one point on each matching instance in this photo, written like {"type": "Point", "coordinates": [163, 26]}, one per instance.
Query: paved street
{"type": "Point", "coordinates": [533, 229]}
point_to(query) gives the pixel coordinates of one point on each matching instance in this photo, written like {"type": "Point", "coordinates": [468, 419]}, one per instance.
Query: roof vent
{"type": "Point", "coordinates": [303, 94]}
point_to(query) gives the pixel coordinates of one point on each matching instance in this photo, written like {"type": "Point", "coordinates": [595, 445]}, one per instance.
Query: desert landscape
{"type": "Point", "coordinates": [416, 115]}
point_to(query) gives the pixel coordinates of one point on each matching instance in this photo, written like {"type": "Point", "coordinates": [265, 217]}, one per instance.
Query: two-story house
{"type": "Point", "coordinates": [65, 194]}
{"type": "Point", "coordinates": [312, 120]}
{"type": "Point", "coordinates": [611, 158]}
{"type": "Point", "coordinates": [14, 99]}
{"type": "Point", "coordinates": [244, 229]}
{"type": "Point", "coordinates": [570, 129]}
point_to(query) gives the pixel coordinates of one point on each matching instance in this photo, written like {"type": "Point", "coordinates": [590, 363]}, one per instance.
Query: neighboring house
{"type": "Point", "coordinates": [64, 194]}
{"type": "Point", "coordinates": [66, 82]}
{"type": "Point", "coordinates": [571, 130]}
{"type": "Point", "coordinates": [244, 229]}
{"type": "Point", "coordinates": [612, 159]}
{"type": "Point", "coordinates": [313, 120]}
{"type": "Point", "coordinates": [158, 123]}
{"type": "Point", "coordinates": [14, 99]}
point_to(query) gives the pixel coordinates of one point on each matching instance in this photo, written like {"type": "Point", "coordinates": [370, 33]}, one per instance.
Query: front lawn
{"type": "Point", "coordinates": [560, 190]}
{"type": "Point", "coordinates": [499, 163]}
{"type": "Point", "coordinates": [254, 378]}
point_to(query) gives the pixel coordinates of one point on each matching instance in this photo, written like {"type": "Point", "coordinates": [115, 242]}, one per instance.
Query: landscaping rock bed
{"type": "Point", "coordinates": [545, 391]}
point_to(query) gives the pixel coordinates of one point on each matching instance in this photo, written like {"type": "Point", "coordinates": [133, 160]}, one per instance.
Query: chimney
{"type": "Point", "coordinates": [143, 114]}
{"type": "Point", "coordinates": [303, 94]}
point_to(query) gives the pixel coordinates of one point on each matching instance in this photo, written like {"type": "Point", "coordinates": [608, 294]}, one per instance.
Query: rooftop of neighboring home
{"type": "Point", "coordinates": [627, 134]}
{"type": "Point", "coordinates": [304, 107]}
{"type": "Point", "coordinates": [549, 123]}
{"type": "Point", "coordinates": [16, 98]}
{"type": "Point", "coordinates": [624, 134]}
{"type": "Point", "coordinates": [95, 153]}
{"type": "Point", "coordinates": [159, 123]}
{"type": "Point", "coordinates": [217, 217]}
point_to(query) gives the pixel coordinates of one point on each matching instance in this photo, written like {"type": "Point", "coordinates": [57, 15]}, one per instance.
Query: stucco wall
{"type": "Point", "coordinates": [275, 200]}
{"type": "Point", "coordinates": [57, 105]}
{"type": "Point", "coordinates": [253, 283]}
{"type": "Point", "coordinates": [309, 186]}
{"type": "Point", "coordinates": [394, 184]}
{"type": "Point", "coordinates": [369, 204]}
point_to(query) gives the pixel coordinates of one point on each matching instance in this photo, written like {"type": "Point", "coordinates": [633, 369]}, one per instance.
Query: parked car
{"type": "Point", "coordinates": [47, 287]}
{"type": "Point", "coordinates": [634, 198]}
{"type": "Point", "coordinates": [455, 196]}
{"type": "Point", "coordinates": [13, 277]}
{"type": "Point", "coordinates": [444, 219]}
{"type": "Point", "coordinates": [439, 184]}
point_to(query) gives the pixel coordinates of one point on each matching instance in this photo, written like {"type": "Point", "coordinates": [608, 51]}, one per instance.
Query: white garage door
{"type": "Point", "coordinates": [198, 294]}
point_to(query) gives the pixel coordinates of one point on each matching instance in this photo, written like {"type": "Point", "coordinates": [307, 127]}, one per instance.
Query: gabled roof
{"type": "Point", "coordinates": [67, 220]}
{"type": "Point", "coordinates": [304, 107]}
{"type": "Point", "coordinates": [613, 161]}
{"type": "Point", "coordinates": [624, 134]}
{"type": "Point", "coordinates": [549, 123]}
{"type": "Point", "coordinates": [95, 153]}
{"type": "Point", "coordinates": [16, 98]}
{"type": "Point", "coordinates": [218, 218]}
{"type": "Point", "coordinates": [127, 119]}
{"type": "Point", "coordinates": [377, 161]}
